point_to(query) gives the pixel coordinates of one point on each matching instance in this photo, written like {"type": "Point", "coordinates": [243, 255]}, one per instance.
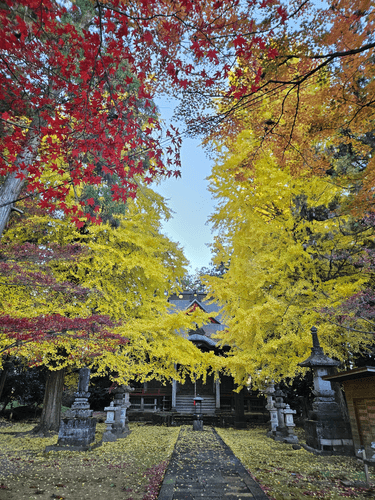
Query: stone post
{"type": "Point", "coordinates": [326, 429]}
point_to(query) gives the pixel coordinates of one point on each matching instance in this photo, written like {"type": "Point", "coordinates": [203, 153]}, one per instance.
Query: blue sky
{"type": "Point", "coordinates": [189, 199]}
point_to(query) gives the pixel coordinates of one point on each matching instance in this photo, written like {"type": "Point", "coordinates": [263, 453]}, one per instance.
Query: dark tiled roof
{"type": "Point", "coordinates": [186, 300]}
{"type": "Point", "coordinates": [201, 338]}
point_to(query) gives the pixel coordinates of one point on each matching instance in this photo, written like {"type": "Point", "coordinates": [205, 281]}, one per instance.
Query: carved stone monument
{"type": "Point", "coordinates": [77, 427]}
{"type": "Point", "coordinates": [326, 429]}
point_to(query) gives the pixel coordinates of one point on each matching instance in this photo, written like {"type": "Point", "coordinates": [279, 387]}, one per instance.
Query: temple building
{"type": "Point", "coordinates": [220, 402]}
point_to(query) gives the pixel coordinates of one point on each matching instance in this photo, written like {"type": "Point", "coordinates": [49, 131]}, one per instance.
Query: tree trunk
{"type": "Point", "coordinates": [3, 376]}
{"type": "Point", "coordinates": [239, 414]}
{"type": "Point", "coordinates": [51, 413]}
{"type": "Point", "coordinates": [12, 186]}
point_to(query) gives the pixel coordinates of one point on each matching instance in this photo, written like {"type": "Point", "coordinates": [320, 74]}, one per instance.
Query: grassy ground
{"type": "Point", "coordinates": [133, 468]}
{"type": "Point", "coordinates": [285, 473]}
{"type": "Point", "coordinates": [130, 469]}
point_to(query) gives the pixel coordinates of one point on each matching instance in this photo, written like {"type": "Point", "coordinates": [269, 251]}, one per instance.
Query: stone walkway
{"type": "Point", "coordinates": [203, 466]}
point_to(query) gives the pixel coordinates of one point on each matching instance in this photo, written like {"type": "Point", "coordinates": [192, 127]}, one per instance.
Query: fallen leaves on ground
{"type": "Point", "coordinates": [285, 473]}
{"type": "Point", "coordinates": [190, 441]}
{"type": "Point", "coordinates": [131, 468]}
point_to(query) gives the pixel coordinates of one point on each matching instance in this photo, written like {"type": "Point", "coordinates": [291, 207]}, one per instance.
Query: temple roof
{"type": "Point", "coordinates": [202, 338]}
{"type": "Point", "coordinates": [188, 300]}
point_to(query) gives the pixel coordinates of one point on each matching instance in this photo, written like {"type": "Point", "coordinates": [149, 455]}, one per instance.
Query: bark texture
{"type": "Point", "coordinates": [13, 184]}
{"type": "Point", "coordinates": [51, 413]}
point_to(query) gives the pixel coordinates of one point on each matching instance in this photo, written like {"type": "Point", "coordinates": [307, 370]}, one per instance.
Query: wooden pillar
{"type": "Point", "coordinates": [174, 394]}
{"type": "Point", "coordinates": [217, 393]}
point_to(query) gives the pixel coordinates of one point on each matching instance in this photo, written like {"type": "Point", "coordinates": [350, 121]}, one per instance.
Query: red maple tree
{"type": "Point", "coordinates": [73, 80]}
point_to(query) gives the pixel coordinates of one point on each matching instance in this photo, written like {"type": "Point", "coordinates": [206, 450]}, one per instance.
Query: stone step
{"type": "Point", "coordinates": [185, 404]}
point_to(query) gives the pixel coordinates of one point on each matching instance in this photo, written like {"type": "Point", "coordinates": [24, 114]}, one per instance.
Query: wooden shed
{"type": "Point", "coordinates": [359, 387]}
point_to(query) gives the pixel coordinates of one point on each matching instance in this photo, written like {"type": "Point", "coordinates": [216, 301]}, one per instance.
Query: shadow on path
{"type": "Point", "coordinates": [203, 466]}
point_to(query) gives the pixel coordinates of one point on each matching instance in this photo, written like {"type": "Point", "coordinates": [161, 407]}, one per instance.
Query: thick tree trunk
{"type": "Point", "coordinates": [3, 376]}
{"type": "Point", "coordinates": [51, 413]}
{"type": "Point", "coordinates": [12, 186]}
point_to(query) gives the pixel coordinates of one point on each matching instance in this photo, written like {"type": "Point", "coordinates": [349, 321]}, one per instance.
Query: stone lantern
{"type": "Point", "coordinates": [77, 427]}
{"type": "Point", "coordinates": [198, 418]}
{"type": "Point", "coordinates": [270, 391]}
{"type": "Point", "coordinates": [274, 421]}
{"type": "Point", "coordinates": [117, 422]}
{"type": "Point", "coordinates": [289, 424]}
{"type": "Point", "coordinates": [279, 405]}
{"type": "Point", "coordinates": [326, 428]}
{"type": "Point", "coordinates": [113, 422]}
{"type": "Point", "coordinates": [283, 418]}
{"type": "Point", "coordinates": [122, 401]}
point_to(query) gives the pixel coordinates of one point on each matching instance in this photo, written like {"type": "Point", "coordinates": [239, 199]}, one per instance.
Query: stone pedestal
{"type": "Point", "coordinates": [198, 424]}
{"type": "Point", "coordinates": [77, 427]}
{"type": "Point", "coordinates": [326, 429]}
{"type": "Point", "coordinates": [77, 433]}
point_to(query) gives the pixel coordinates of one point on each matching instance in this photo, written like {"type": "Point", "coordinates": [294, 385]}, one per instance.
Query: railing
{"type": "Point", "coordinates": [147, 402]}
{"type": "Point", "coordinates": [161, 391]}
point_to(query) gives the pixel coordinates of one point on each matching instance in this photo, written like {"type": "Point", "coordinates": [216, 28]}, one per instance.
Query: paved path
{"type": "Point", "coordinates": [203, 466]}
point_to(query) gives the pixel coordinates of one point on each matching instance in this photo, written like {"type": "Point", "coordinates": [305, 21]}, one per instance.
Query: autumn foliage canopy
{"type": "Point", "coordinates": [294, 181]}
{"type": "Point", "coordinates": [77, 82]}
{"type": "Point", "coordinates": [281, 88]}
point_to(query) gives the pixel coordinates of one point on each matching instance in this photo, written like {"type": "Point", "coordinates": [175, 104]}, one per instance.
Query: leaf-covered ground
{"type": "Point", "coordinates": [285, 473]}
{"type": "Point", "coordinates": [133, 468]}
{"type": "Point", "coordinates": [130, 469]}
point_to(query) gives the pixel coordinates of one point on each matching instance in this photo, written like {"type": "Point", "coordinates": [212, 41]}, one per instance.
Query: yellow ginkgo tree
{"type": "Point", "coordinates": [291, 255]}
{"type": "Point", "coordinates": [96, 296]}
